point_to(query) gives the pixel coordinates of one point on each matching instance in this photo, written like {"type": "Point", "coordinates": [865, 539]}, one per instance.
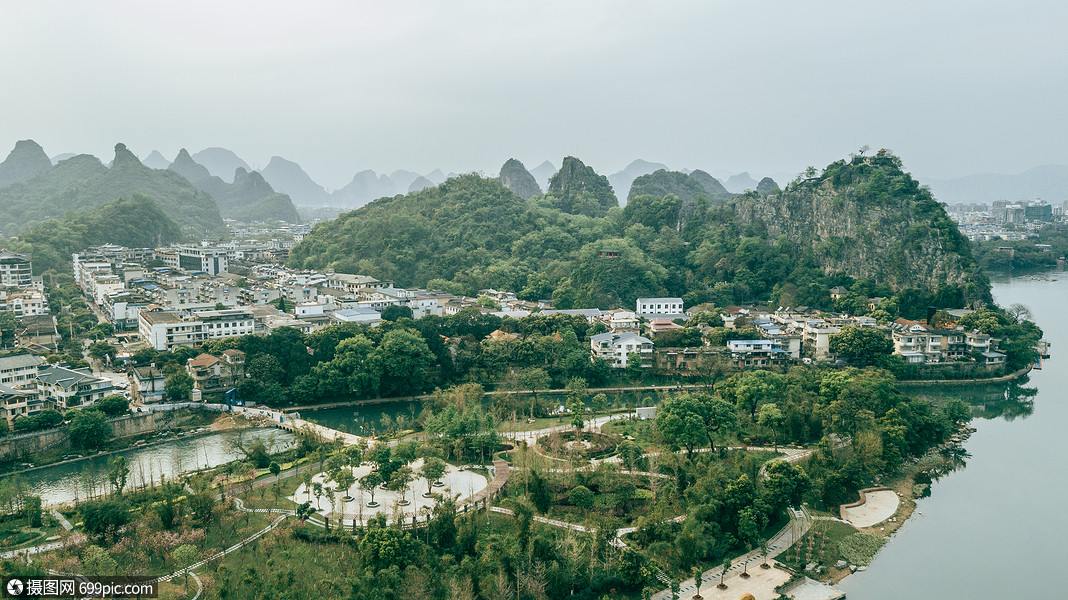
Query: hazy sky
{"type": "Point", "coordinates": [953, 87]}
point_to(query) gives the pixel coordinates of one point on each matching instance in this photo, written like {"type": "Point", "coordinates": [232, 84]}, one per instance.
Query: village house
{"type": "Point", "coordinates": [69, 388]}
{"type": "Point", "coordinates": [147, 384]}
{"type": "Point", "coordinates": [756, 353]}
{"type": "Point", "coordinates": [615, 347]}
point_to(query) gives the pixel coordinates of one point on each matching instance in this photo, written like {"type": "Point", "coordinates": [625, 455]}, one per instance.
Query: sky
{"type": "Point", "coordinates": [953, 88]}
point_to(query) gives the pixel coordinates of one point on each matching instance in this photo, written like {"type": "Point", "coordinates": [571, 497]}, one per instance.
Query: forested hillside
{"type": "Point", "coordinates": [862, 221]}
{"type": "Point", "coordinates": [136, 222]}
{"type": "Point", "coordinates": [82, 182]}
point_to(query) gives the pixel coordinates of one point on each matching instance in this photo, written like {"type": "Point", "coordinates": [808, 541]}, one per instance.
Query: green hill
{"type": "Point", "coordinates": [26, 159]}
{"type": "Point", "coordinates": [82, 182]}
{"type": "Point", "coordinates": [712, 185]}
{"type": "Point", "coordinates": [578, 189]}
{"type": "Point", "coordinates": [136, 222]}
{"type": "Point", "coordinates": [515, 177]}
{"type": "Point", "coordinates": [663, 182]}
{"type": "Point", "coordinates": [865, 224]}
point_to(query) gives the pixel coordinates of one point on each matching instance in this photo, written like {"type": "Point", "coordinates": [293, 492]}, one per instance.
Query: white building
{"type": "Point", "coordinates": [196, 258]}
{"type": "Point", "coordinates": [656, 307]}
{"type": "Point", "coordinates": [19, 369]}
{"type": "Point", "coordinates": [614, 348]}
{"type": "Point", "coordinates": [817, 338]}
{"type": "Point", "coordinates": [23, 302]}
{"type": "Point", "coordinates": [166, 330]}
{"type": "Point", "coordinates": [14, 268]}
{"type": "Point", "coordinates": [70, 388]}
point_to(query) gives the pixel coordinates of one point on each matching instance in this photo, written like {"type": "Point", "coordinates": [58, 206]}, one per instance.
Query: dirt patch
{"type": "Point", "coordinates": [228, 422]}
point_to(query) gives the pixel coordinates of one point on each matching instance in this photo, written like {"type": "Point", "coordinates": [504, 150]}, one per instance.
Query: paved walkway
{"type": "Point", "coordinates": [62, 520]}
{"type": "Point", "coordinates": [878, 506]}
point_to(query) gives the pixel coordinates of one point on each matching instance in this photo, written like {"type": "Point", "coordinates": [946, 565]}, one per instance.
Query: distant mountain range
{"type": "Point", "coordinates": [1048, 182]}
{"type": "Point", "coordinates": [83, 182]}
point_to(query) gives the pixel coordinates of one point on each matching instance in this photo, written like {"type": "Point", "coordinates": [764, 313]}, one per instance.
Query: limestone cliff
{"type": "Point", "coordinates": [868, 219]}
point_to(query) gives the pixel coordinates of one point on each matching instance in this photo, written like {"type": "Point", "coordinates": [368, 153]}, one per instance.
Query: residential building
{"type": "Point", "coordinates": [622, 320]}
{"type": "Point", "coordinates": [69, 388]}
{"type": "Point", "coordinates": [816, 338]}
{"type": "Point", "coordinates": [23, 301]}
{"type": "Point", "coordinates": [206, 371]}
{"type": "Point", "coordinates": [351, 284]}
{"type": "Point", "coordinates": [18, 401]}
{"type": "Point", "coordinates": [19, 369]}
{"type": "Point", "coordinates": [166, 330]}
{"type": "Point", "coordinates": [651, 308]}
{"type": "Point", "coordinates": [147, 384]}
{"type": "Point", "coordinates": [615, 348]}
{"type": "Point", "coordinates": [683, 360]}
{"type": "Point", "coordinates": [15, 268]}
{"type": "Point", "coordinates": [366, 316]}
{"type": "Point", "coordinates": [756, 353]}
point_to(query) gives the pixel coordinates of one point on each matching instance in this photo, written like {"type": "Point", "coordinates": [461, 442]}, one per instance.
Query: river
{"type": "Point", "coordinates": [995, 528]}
{"type": "Point", "coordinates": [77, 480]}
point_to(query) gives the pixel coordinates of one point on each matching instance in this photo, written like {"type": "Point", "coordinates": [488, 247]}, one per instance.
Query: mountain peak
{"type": "Point", "coordinates": [155, 160]}
{"type": "Point", "coordinates": [124, 158]}
{"type": "Point", "coordinates": [288, 177]}
{"type": "Point", "coordinates": [26, 159]}
{"type": "Point", "coordinates": [220, 162]}
{"type": "Point", "coordinates": [578, 189]}
{"type": "Point", "coordinates": [514, 176]}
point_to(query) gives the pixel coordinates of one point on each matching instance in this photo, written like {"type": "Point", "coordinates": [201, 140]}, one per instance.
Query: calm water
{"type": "Point", "coordinates": [81, 479]}
{"type": "Point", "coordinates": [996, 528]}
{"type": "Point", "coordinates": [362, 420]}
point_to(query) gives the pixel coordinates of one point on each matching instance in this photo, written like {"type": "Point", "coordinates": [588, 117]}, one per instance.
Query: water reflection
{"type": "Point", "coordinates": [72, 482]}
{"type": "Point", "coordinates": [1008, 401]}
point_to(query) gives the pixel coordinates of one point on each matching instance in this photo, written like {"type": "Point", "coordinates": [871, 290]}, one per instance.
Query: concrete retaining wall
{"type": "Point", "coordinates": [22, 447]}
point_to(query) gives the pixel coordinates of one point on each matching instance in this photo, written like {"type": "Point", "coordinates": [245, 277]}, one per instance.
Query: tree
{"type": "Point", "coordinates": [634, 365]}
{"type": "Point", "coordinates": [100, 517]}
{"type": "Point", "coordinates": [114, 405]}
{"type": "Point", "coordinates": [396, 312]}
{"type": "Point", "coordinates": [723, 573]}
{"type": "Point", "coordinates": [185, 555]}
{"type": "Point", "coordinates": [102, 351]}
{"type": "Point", "coordinates": [88, 429]}
{"type": "Point", "coordinates": [690, 418]}
{"type": "Point", "coordinates": [581, 496]}
{"type": "Point", "coordinates": [275, 469]}
{"type": "Point", "coordinates": [405, 361]}
{"type": "Point", "coordinates": [370, 482]}
{"type": "Point", "coordinates": [32, 509]}
{"type": "Point", "coordinates": [98, 561]}
{"type": "Point", "coordinates": [178, 384]}
{"type": "Point", "coordinates": [118, 473]}
{"type": "Point", "coordinates": [861, 345]}
{"type": "Point", "coordinates": [401, 480]}
{"type": "Point", "coordinates": [432, 470]}
{"type": "Point", "coordinates": [1020, 312]}
{"type": "Point", "coordinates": [771, 417]}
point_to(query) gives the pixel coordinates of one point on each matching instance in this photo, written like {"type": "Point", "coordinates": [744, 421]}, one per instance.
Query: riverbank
{"type": "Point", "coordinates": [138, 441]}
{"type": "Point", "coordinates": [964, 382]}
{"type": "Point", "coordinates": [907, 484]}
